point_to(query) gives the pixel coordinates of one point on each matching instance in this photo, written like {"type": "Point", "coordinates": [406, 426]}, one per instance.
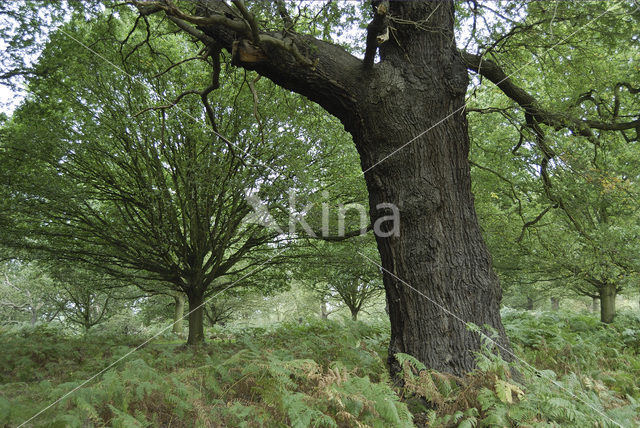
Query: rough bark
{"type": "Point", "coordinates": [529, 303]}
{"type": "Point", "coordinates": [178, 313]}
{"type": "Point", "coordinates": [439, 264]}
{"type": "Point", "coordinates": [555, 303]}
{"type": "Point", "coordinates": [196, 319]}
{"type": "Point", "coordinates": [608, 303]}
{"type": "Point", "coordinates": [440, 251]}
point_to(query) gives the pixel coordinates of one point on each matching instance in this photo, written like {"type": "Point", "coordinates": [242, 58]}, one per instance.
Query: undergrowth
{"type": "Point", "coordinates": [323, 374]}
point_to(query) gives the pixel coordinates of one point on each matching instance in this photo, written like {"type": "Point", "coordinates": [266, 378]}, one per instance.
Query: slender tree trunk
{"type": "Point", "coordinates": [34, 316]}
{"type": "Point", "coordinates": [196, 319]}
{"type": "Point", "coordinates": [607, 303]}
{"type": "Point", "coordinates": [555, 303]}
{"type": "Point", "coordinates": [529, 303]}
{"type": "Point", "coordinates": [324, 314]}
{"type": "Point", "coordinates": [594, 304]}
{"type": "Point", "coordinates": [178, 313]}
{"type": "Point", "coordinates": [354, 314]}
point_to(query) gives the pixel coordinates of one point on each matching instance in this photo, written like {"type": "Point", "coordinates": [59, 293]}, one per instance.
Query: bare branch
{"type": "Point", "coordinates": [252, 87]}
{"type": "Point", "coordinates": [533, 222]}
{"type": "Point", "coordinates": [172, 66]}
{"type": "Point", "coordinates": [148, 7]}
{"type": "Point", "coordinates": [286, 18]}
{"type": "Point", "coordinates": [171, 104]}
{"type": "Point", "coordinates": [374, 30]}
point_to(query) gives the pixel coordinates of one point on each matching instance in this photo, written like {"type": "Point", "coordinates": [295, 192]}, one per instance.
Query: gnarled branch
{"type": "Point", "coordinates": [374, 30]}
{"type": "Point", "coordinates": [530, 104]}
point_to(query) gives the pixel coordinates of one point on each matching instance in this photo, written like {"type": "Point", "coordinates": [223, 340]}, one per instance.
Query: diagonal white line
{"type": "Point", "coordinates": [508, 351]}
{"type": "Point", "coordinates": [191, 310]}
{"type": "Point", "coordinates": [462, 107]}
{"type": "Point", "coordinates": [176, 106]}
{"type": "Point", "coordinates": [280, 252]}
{"type": "Point", "coordinates": [150, 339]}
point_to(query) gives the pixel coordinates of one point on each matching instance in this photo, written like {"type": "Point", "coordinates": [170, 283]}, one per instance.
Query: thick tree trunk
{"type": "Point", "coordinates": [437, 271]}
{"type": "Point", "coordinates": [439, 264]}
{"type": "Point", "coordinates": [555, 303]}
{"type": "Point", "coordinates": [196, 319]}
{"type": "Point", "coordinates": [178, 313]}
{"type": "Point", "coordinates": [608, 303]}
{"type": "Point", "coordinates": [354, 314]}
{"type": "Point", "coordinates": [438, 274]}
{"type": "Point", "coordinates": [406, 115]}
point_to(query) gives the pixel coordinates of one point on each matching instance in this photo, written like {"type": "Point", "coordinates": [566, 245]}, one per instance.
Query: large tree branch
{"type": "Point", "coordinates": [323, 72]}
{"type": "Point", "coordinates": [530, 104]}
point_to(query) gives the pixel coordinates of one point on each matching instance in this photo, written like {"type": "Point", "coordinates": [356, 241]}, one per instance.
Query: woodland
{"type": "Point", "coordinates": [319, 213]}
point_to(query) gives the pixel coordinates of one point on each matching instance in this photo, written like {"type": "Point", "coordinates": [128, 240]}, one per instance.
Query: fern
{"type": "Point", "coordinates": [324, 374]}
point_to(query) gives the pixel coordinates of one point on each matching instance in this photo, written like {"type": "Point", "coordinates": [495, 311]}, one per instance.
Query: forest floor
{"type": "Point", "coordinates": [321, 373]}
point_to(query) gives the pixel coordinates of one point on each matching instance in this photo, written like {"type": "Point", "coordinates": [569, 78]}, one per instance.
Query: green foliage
{"type": "Point", "coordinates": [608, 356]}
{"type": "Point", "coordinates": [133, 393]}
{"type": "Point", "coordinates": [324, 374]}
{"type": "Point", "coordinates": [27, 292]}
{"type": "Point", "coordinates": [309, 374]}
{"type": "Point", "coordinates": [567, 223]}
{"type": "Point", "coordinates": [570, 391]}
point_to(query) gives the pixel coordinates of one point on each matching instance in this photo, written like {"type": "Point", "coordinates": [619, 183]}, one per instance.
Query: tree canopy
{"type": "Point", "coordinates": [148, 123]}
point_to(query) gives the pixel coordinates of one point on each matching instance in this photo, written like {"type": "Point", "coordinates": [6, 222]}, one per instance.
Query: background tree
{"type": "Point", "coordinates": [88, 298]}
{"type": "Point", "coordinates": [440, 248]}
{"type": "Point", "coordinates": [341, 276]}
{"type": "Point", "coordinates": [28, 293]}
{"type": "Point", "coordinates": [143, 190]}
{"type": "Point", "coordinates": [382, 106]}
{"type": "Point", "coordinates": [154, 196]}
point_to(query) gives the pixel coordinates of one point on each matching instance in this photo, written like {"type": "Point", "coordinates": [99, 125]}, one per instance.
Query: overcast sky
{"type": "Point", "coordinates": [8, 100]}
